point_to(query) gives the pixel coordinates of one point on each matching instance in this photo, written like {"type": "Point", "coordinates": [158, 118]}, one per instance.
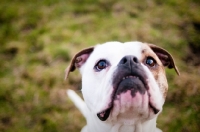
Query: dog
{"type": "Point", "coordinates": [124, 86]}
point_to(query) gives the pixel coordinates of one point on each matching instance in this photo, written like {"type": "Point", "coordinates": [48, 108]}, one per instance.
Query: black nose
{"type": "Point", "coordinates": [129, 60]}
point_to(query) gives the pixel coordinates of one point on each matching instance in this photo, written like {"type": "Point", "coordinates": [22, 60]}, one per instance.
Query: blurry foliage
{"type": "Point", "coordinates": [37, 40]}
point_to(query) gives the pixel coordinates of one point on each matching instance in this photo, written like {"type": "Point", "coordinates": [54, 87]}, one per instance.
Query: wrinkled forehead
{"type": "Point", "coordinates": [114, 51]}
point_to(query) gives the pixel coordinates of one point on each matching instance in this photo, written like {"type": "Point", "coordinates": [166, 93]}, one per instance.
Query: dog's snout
{"type": "Point", "coordinates": [126, 60]}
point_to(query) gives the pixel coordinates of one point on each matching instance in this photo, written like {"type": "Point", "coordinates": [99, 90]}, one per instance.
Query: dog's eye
{"type": "Point", "coordinates": [102, 64]}
{"type": "Point", "coordinates": [150, 62]}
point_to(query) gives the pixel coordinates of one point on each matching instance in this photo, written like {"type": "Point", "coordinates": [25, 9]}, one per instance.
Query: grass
{"type": "Point", "coordinates": [38, 39]}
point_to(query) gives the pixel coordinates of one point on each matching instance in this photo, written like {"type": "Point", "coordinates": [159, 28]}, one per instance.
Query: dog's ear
{"type": "Point", "coordinates": [78, 60]}
{"type": "Point", "coordinates": [165, 57]}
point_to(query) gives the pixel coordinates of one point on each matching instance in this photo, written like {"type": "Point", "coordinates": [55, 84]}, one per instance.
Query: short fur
{"type": "Point", "coordinates": [105, 108]}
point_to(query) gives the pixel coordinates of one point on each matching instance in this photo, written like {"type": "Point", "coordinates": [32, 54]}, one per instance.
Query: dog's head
{"type": "Point", "coordinates": [123, 82]}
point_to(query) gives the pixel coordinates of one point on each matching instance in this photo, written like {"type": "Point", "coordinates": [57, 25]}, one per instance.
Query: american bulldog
{"type": "Point", "coordinates": [124, 86]}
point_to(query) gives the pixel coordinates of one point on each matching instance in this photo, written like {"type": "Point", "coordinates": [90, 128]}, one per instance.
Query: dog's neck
{"type": "Point", "coordinates": [95, 124]}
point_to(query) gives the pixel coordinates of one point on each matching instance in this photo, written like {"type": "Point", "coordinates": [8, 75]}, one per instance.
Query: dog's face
{"type": "Point", "coordinates": [123, 83]}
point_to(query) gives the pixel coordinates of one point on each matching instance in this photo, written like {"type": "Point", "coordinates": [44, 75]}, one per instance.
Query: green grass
{"type": "Point", "coordinates": [38, 39]}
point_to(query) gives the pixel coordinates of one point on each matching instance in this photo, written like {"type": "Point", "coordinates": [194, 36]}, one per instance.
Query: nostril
{"type": "Point", "coordinates": [135, 59]}
{"type": "Point", "coordinates": [124, 60]}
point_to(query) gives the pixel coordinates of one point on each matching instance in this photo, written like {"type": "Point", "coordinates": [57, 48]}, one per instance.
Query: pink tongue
{"type": "Point", "coordinates": [104, 114]}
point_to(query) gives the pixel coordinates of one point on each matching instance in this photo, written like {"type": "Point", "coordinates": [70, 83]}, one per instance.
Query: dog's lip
{"type": "Point", "coordinates": [103, 115]}
{"type": "Point", "coordinates": [132, 76]}
{"type": "Point", "coordinates": [155, 110]}
{"type": "Point", "coordinates": [136, 77]}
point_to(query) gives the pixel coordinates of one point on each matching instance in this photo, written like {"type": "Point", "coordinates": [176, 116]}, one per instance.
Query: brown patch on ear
{"type": "Point", "coordinates": [165, 57]}
{"type": "Point", "coordinates": [78, 60]}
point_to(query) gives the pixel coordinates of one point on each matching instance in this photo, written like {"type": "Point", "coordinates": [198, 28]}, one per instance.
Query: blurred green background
{"type": "Point", "coordinates": [38, 39]}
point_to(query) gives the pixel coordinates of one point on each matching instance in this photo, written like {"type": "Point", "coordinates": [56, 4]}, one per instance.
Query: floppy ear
{"type": "Point", "coordinates": [78, 60]}
{"type": "Point", "coordinates": [165, 57]}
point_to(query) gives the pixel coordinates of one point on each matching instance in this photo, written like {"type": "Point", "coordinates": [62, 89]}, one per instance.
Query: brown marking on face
{"type": "Point", "coordinates": [157, 71]}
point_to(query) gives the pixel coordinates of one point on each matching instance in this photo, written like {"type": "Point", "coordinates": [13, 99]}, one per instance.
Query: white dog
{"type": "Point", "coordinates": [124, 86]}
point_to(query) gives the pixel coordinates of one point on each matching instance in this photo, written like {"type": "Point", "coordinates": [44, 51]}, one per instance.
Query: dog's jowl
{"type": "Point", "coordinates": [124, 86]}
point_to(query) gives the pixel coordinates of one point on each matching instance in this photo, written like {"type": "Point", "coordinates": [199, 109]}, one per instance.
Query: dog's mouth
{"type": "Point", "coordinates": [134, 83]}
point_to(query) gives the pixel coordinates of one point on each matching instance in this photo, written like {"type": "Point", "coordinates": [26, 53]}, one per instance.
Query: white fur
{"type": "Point", "coordinates": [97, 89]}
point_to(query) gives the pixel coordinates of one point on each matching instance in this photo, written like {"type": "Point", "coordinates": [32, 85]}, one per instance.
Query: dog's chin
{"type": "Point", "coordinates": [129, 109]}
{"type": "Point", "coordinates": [130, 103]}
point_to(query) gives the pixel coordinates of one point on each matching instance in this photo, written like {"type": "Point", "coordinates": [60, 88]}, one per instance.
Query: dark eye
{"type": "Point", "coordinates": [150, 62]}
{"type": "Point", "coordinates": [102, 64]}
